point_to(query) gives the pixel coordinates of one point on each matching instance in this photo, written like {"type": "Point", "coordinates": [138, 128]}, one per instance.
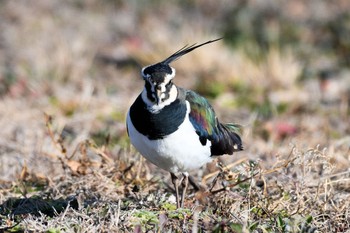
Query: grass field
{"type": "Point", "coordinates": [69, 70]}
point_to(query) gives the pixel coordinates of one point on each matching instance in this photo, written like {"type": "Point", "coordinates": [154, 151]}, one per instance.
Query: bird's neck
{"type": "Point", "coordinates": [157, 100]}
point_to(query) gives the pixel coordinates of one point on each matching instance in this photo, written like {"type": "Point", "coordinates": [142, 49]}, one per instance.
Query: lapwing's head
{"type": "Point", "coordinates": [158, 77]}
{"type": "Point", "coordinates": [158, 81]}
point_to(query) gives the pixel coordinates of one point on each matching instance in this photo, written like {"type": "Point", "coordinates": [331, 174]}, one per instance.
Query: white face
{"type": "Point", "coordinates": [158, 84]}
{"type": "Point", "coordinates": [158, 89]}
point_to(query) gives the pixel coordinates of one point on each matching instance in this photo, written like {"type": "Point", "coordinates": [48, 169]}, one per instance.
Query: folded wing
{"type": "Point", "coordinates": [224, 138]}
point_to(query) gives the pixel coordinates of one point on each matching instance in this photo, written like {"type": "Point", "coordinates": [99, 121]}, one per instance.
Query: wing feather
{"type": "Point", "coordinates": [224, 138]}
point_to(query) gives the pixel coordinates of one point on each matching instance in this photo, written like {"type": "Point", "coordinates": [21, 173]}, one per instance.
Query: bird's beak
{"type": "Point", "coordinates": [158, 95]}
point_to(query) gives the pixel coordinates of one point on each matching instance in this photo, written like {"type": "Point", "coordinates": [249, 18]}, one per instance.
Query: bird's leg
{"type": "Point", "coordinates": [176, 184]}
{"type": "Point", "coordinates": [184, 187]}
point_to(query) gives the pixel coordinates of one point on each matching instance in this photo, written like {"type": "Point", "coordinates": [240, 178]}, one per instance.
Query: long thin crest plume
{"type": "Point", "coordinates": [184, 50]}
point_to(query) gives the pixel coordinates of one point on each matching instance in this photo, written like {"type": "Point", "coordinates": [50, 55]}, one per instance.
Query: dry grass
{"type": "Point", "coordinates": [69, 72]}
{"type": "Point", "coordinates": [299, 192]}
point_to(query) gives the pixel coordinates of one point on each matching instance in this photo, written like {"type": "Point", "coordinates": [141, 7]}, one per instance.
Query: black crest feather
{"type": "Point", "coordinates": [184, 50]}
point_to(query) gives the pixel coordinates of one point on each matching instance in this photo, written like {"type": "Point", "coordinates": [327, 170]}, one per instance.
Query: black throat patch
{"type": "Point", "coordinates": [160, 124]}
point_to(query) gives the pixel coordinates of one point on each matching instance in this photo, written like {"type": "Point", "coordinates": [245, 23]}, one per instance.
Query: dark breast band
{"type": "Point", "coordinates": [160, 124]}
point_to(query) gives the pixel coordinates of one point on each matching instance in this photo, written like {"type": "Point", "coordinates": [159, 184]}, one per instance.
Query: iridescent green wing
{"type": "Point", "coordinates": [224, 138]}
{"type": "Point", "coordinates": [202, 116]}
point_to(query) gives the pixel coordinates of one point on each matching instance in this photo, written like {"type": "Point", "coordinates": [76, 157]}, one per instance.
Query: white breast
{"type": "Point", "coordinates": [180, 151]}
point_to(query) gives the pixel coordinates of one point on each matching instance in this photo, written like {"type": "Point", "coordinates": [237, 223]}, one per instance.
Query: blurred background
{"type": "Point", "coordinates": [282, 71]}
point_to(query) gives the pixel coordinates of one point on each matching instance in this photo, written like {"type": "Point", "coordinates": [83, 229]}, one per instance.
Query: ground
{"type": "Point", "coordinates": [70, 70]}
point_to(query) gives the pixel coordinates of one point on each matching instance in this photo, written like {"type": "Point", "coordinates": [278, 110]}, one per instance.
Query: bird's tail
{"type": "Point", "coordinates": [229, 139]}
{"type": "Point", "coordinates": [234, 131]}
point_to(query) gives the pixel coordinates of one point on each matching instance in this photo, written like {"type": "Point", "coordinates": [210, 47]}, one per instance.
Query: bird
{"type": "Point", "coordinates": [177, 129]}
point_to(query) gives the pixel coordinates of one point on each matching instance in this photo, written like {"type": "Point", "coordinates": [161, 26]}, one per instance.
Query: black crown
{"type": "Point", "coordinates": [157, 68]}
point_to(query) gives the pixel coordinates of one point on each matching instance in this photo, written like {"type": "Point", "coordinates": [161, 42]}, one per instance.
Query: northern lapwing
{"type": "Point", "coordinates": [177, 129]}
